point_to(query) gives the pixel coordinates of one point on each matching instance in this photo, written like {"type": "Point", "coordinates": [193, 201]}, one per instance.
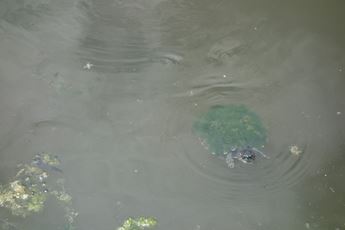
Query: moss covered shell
{"type": "Point", "coordinates": [224, 127]}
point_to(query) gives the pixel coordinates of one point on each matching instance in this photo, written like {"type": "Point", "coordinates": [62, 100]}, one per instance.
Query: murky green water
{"type": "Point", "coordinates": [123, 127]}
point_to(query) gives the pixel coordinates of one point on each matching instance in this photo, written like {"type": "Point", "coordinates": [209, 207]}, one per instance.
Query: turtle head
{"type": "Point", "coordinates": [247, 155]}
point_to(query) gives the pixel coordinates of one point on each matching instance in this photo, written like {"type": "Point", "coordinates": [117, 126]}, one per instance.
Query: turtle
{"type": "Point", "coordinates": [232, 132]}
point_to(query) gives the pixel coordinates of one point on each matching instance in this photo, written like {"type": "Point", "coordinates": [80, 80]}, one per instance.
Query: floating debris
{"type": "Point", "coordinates": [332, 189]}
{"type": "Point", "coordinates": [295, 150]}
{"type": "Point", "coordinates": [88, 66]}
{"type": "Point", "coordinates": [27, 192]}
{"type": "Point", "coordinates": [138, 223]}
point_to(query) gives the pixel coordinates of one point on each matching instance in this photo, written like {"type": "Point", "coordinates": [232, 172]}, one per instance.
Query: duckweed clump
{"type": "Point", "coordinates": [27, 192]}
{"type": "Point", "coordinates": [138, 223]}
{"type": "Point", "coordinates": [21, 199]}
{"type": "Point", "coordinates": [50, 159]}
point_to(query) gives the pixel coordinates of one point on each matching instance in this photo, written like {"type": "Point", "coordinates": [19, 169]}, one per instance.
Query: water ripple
{"type": "Point", "coordinates": [281, 172]}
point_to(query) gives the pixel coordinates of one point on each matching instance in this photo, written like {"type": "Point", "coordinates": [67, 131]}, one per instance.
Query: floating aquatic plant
{"type": "Point", "coordinates": [27, 192]}
{"type": "Point", "coordinates": [20, 199]}
{"type": "Point", "coordinates": [50, 159]}
{"type": "Point", "coordinates": [138, 223]}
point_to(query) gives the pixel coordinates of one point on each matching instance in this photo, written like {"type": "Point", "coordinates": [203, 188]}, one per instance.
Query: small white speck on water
{"type": "Point", "coordinates": [135, 170]}
{"type": "Point", "coordinates": [338, 113]}
{"type": "Point", "coordinates": [191, 93]}
{"type": "Point", "coordinates": [295, 150]}
{"type": "Point", "coordinates": [140, 100]}
{"type": "Point", "coordinates": [255, 28]}
{"type": "Point", "coordinates": [340, 70]}
{"type": "Point", "coordinates": [224, 75]}
{"type": "Point", "coordinates": [325, 175]}
{"type": "Point", "coordinates": [307, 225]}
{"type": "Point", "coordinates": [332, 189]}
{"type": "Point", "coordinates": [88, 66]}
{"type": "Point", "coordinates": [195, 104]}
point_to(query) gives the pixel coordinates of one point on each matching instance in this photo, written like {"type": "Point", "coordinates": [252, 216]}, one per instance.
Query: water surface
{"type": "Point", "coordinates": [123, 127]}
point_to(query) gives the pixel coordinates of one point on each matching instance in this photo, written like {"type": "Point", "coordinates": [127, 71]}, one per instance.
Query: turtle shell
{"type": "Point", "coordinates": [225, 127]}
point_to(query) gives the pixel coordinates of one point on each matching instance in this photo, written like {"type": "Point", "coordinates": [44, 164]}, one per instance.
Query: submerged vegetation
{"type": "Point", "coordinates": [226, 127]}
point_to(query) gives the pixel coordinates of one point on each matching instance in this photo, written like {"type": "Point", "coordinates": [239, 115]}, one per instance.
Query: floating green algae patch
{"type": "Point", "coordinates": [49, 159]}
{"type": "Point", "coordinates": [138, 223]}
{"type": "Point", "coordinates": [28, 190]}
{"type": "Point", "coordinates": [20, 199]}
{"type": "Point", "coordinates": [224, 127]}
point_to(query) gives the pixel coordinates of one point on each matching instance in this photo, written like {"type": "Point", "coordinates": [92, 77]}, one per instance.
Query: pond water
{"type": "Point", "coordinates": [113, 88]}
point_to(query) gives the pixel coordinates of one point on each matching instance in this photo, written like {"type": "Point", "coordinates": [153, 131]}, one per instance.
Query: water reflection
{"type": "Point", "coordinates": [123, 126]}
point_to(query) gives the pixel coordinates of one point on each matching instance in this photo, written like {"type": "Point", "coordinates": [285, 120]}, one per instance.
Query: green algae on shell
{"type": "Point", "coordinates": [225, 127]}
